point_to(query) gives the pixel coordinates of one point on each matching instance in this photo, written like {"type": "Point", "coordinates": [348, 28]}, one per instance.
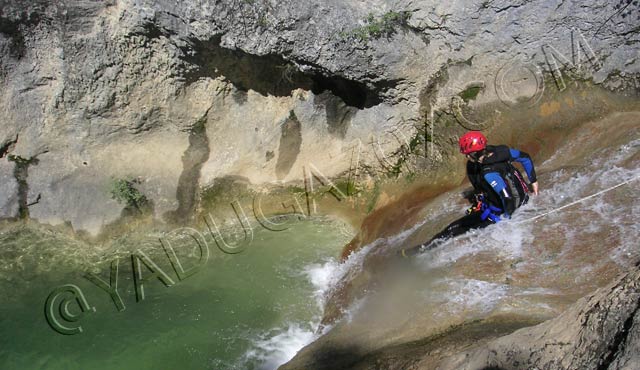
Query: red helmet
{"type": "Point", "coordinates": [472, 141]}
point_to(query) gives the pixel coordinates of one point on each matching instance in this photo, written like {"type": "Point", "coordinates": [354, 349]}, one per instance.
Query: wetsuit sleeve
{"type": "Point", "coordinates": [526, 162]}
{"type": "Point", "coordinates": [500, 187]}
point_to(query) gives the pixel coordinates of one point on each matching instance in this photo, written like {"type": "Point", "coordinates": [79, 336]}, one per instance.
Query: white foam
{"type": "Point", "coordinates": [472, 296]}
{"type": "Point", "coordinates": [323, 277]}
{"type": "Point", "coordinates": [278, 346]}
{"type": "Point", "coordinates": [505, 238]}
{"type": "Point", "coordinates": [534, 291]}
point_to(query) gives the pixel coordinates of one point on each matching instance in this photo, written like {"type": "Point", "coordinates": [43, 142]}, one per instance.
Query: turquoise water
{"type": "Point", "coordinates": [250, 310]}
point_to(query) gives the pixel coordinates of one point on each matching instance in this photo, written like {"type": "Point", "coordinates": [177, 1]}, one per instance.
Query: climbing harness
{"type": "Point", "coordinates": [486, 210]}
{"type": "Point", "coordinates": [477, 204]}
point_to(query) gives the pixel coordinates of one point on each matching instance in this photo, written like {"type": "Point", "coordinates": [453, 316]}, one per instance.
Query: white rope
{"type": "Point", "coordinates": [449, 240]}
{"type": "Point", "coordinates": [579, 200]}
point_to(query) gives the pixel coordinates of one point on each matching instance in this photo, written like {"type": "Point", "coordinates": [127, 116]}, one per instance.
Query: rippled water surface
{"type": "Point", "coordinates": [251, 310]}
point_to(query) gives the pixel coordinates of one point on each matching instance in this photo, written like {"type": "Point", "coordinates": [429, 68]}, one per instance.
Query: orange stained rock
{"type": "Point", "coordinates": [549, 108]}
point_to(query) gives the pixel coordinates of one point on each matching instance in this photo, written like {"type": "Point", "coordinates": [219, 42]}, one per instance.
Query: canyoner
{"type": "Point", "coordinates": [319, 185]}
{"type": "Point", "coordinates": [498, 187]}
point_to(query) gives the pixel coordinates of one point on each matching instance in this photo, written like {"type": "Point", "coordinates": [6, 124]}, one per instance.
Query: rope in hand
{"type": "Point", "coordinates": [553, 210]}
{"type": "Point", "coordinates": [578, 201]}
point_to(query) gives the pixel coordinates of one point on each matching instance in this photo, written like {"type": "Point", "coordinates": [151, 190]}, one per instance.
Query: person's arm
{"type": "Point", "coordinates": [500, 187]}
{"type": "Point", "coordinates": [525, 160]}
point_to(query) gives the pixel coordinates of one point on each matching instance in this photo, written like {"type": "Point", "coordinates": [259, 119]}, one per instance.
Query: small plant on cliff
{"type": "Point", "coordinates": [348, 187]}
{"type": "Point", "coordinates": [20, 173]}
{"type": "Point", "coordinates": [373, 197]}
{"type": "Point", "coordinates": [408, 152]}
{"type": "Point", "coordinates": [125, 192]}
{"type": "Point", "coordinates": [377, 27]}
{"type": "Point", "coordinates": [471, 92]}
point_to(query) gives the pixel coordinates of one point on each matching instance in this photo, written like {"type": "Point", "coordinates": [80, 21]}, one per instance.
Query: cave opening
{"type": "Point", "coordinates": [272, 74]}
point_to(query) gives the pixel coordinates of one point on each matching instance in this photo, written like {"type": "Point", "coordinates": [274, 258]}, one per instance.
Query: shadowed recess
{"type": "Point", "coordinates": [290, 143]}
{"type": "Point", "coordinates": [192, 161]}
{"type": "Point", "coordinates": [338, 114]}
{"type": "Point", "coordinates": [273, 75]}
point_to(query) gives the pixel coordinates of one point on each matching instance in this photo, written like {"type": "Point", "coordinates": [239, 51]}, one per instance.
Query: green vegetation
{"type": "Point", "coordinates": [125, 192]}
{"type": "Point", "coordinates": [295, 189]}
{"type": "Point", "coordinates": [20, 173]}
{"type": "Point", "coordinates": [485, 4]}
{"type": "Point", "coordinates": [20, 170]}
{"type": "Point", "coordinates": [224, 191]}
{"type": "Point", "coordinates": [377, 27]}
{"type": "Point", "coordinates": [410, 177]}
{"type": "Point", "coordinates": [470, 93]}
{"type": "Point", "coordinates": [416, 147]}
{"type": "Point", "coordinates": [262, 20]}
{"type": "Point", "coordinates": [374, 197]}
{"type": "Point", "coordinates": [20, 160]}
{"type": "Point", "coordinates": [348, 187]}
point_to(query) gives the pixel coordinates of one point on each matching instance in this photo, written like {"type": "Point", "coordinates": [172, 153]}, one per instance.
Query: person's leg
{"type": "Point", "coordinates": [458, 227]}
{"type": "Point", "coordinates": [462, 225]}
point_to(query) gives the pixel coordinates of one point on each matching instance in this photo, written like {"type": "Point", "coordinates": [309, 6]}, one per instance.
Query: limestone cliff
{"type": "Point", "coordinates": [179, 94]}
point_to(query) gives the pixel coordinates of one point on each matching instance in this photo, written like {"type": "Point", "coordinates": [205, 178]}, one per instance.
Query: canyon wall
{"type": "Point", "coordinates": [178, 95]}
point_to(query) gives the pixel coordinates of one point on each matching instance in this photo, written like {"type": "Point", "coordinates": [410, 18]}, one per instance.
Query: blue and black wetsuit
{"type": "Point", "coordinates": [501, 187]}
{"type": "Point", "coordinates": [499, 181]}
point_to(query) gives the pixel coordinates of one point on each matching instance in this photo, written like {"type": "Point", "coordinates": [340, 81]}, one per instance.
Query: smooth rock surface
{"type": "Point", "coordinates": [600, 331]}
